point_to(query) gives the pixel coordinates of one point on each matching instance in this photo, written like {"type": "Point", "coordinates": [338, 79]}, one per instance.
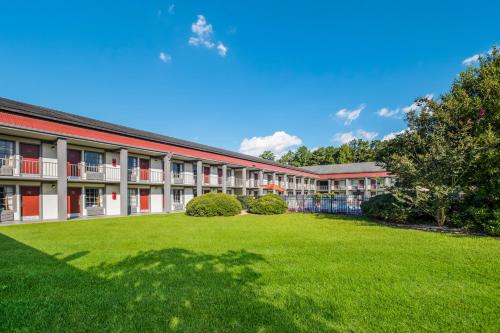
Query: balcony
{"type": "Point", "coordinates": [322, 187]}
{"type": "Point", "coordinates": [24, 167]}
{"type": "Point", "coordinates": [148, 176]}
{"type": "Point", "coordinates": [101, 172]}
{"type": "Point", "coordinates": [183, 179]}
{"type": "Point", "coordinates": [238, 182]}
{"type": "Point", "coordinates": [253, 183]}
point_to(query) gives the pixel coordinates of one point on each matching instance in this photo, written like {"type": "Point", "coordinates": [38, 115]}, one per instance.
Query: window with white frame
{"type": "Point", "coordinates": [6, 198]}
{"type": "Point", "coordinates": [93, 158]}
{"type": "Point", "coordinates": [92, 197]}
{"type": "Point", "coordinates": [6, 151]}
{"type": "Point", "coordinates": [177, 169]}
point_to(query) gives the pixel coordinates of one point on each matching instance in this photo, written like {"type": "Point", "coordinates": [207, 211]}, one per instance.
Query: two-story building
{"type": "Point", "coordinates": [58, 166]}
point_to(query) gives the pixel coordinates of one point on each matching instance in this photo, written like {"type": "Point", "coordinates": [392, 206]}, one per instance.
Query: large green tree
{"type": "Point", "coordinates": [451, 149]}
{"type": "Point", "coordinates": [268, 155]}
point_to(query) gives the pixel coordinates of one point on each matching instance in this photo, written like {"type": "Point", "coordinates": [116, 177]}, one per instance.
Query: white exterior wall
{"type": "Point", "coordinates": [188, 195]}
{"type": "Point", "coordinates": [213, 175]}
{"type": "Point", "coordinates": [156, 199]}
{"type": "Point", "coordinates": [188, 172]}
{"type": "Point", "coordinates": [112, 206]}
{"type": "Point", "coordinates": [49, 201]}
{"type": "Point", "coordinates": [112, 173]}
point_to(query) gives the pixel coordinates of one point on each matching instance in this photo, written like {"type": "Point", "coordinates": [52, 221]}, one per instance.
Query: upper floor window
{"type": "Point", "coordinates": [6, 148]}
{"type": "Point", "coordinates": [93, 158]}
{"type": "Point", "coordinates": [177, 168]}
{"type": "Point", "coordinates": [132, 162]}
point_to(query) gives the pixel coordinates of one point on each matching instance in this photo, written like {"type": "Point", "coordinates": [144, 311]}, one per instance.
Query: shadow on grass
{"type": "Point", "coordinates": [166, 290]}
{"type": "Point", "coordinates": [342, 217]}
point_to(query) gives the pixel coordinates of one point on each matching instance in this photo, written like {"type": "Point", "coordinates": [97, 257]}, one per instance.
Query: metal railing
{"type": "Point", "coordinates": [341, 204]}
{"type": "Point", "coordinates": [322, 187]}
{"type": "Point", "coordinates": [27, 167]}
{"type": "Point", "coordinates": [98, 172]}
{"type": "Point", "coordinates": [145, 176]}
{"type": "Point", "coordinates": [183, 179]}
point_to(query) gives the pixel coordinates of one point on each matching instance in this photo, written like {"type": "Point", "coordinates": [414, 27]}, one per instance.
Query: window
{"type": "Point", "coordinates": [92, 197]}
{"type": "Point", "coordinates": [177, 169]}
{"type": "Point", "coordinates": [132, 163]}
{"type": "Point", "coordinates": [6, 198]}
{"type": "Point", "coordinates": [195, 192]}
{"type": "Point", "coordinates": [6, 149]}
{"type": "Point", "coordinates": [93, 158]}
{"type": "Point", "coordinates": [132, 197]}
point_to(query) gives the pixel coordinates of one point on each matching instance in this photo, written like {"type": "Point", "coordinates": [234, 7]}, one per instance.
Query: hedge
{"type": "Point", "coordinates": [214, 204]}
{"type": "Point", "coordinates": [246, 200]}
{"type": "Point", "coordinates": [268, 205]}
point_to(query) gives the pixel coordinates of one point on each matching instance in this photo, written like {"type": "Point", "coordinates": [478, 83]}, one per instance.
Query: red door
{"type": "Point", "coordinates": [144, 199]}
{"type": "Point", "coordinates": [30, 201]}
{"type": "Point", "coordinates": [74, 159]}
{"type": "Point", "coordinates": [74, 194]}
{"type": "Point", "coordinates": [144, 169]}
{"type": "Point", "coordinates": [30, 157]}
{"type": "Point", "coordinates": [206, 175]}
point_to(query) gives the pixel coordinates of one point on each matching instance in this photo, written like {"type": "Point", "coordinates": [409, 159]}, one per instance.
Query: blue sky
{"type": "Point", "coordinates": [275, 73]}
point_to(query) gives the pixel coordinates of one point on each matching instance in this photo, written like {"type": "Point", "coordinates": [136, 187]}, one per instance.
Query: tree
{"type": "Point", "coordinates": [452, 147]}
{"type": "Point", "coordinates": [268, 155]}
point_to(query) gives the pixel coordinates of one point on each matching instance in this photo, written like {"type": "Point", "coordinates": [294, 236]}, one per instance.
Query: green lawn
{"type": "Point", "coordinates": [289, 273]}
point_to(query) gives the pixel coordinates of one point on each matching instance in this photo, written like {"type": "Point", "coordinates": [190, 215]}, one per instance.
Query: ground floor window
{"type": "Point", "coordinates": [6, 198]}
{"type": "Point", "coordinates": [92, 197]}
{"type": "Point", "coordinates": [177, 196]}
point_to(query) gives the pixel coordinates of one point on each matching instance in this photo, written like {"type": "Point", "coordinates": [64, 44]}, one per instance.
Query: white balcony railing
{"type": "Point", "coordinates": [183, 179]}
{"type": "Point", "coordinates": [97, 172]}
{"type": "Point", "coordinates": [27, 167]}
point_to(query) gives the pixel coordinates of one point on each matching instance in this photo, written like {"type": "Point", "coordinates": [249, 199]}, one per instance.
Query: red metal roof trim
{"type": "Point", "coordinates": [84, 133]}
{"type": "Point", "coordinates": [355, 175]}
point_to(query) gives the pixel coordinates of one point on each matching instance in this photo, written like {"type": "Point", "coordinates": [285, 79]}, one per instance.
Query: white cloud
{"type": "Point", "coordinates": [279, 142]}
{"type": "Point", "coordinates": [171, 9]}
{"type": "Point", "coordinates": [347, 137]}
{"type": "Point", "coordinates": [165, 57]}
{"type": "Point", "coordinates": [475, 58]}
{"type": "Point", "coordinates": [222, 49]}
{"type": "Point", "coordinates": [392, 135]}
{"type": "Point", "coordinates": [349, 115]}
{"type": "Point", "coordinates": [396, 113]}
{"type": "Point", "coordinates": [203, 36]}
{"type": "Point", "coordinates": [386, 113]}
{"type": "Point", "coordinates": [470, 60]}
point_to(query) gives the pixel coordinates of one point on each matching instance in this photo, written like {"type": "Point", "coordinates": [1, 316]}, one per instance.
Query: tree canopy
{"type": "Point", "coordinates": [448, 160]}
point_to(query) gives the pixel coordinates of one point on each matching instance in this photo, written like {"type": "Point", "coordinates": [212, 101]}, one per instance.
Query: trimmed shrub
{"type": "Point", "coordinates": [385, 207]}
{"type": "Point", "coordinates": [246, 200]}
{"type": "Point", "coordinates": [268, 205]}
{"type": "Point", "coordinates": [213, 204]}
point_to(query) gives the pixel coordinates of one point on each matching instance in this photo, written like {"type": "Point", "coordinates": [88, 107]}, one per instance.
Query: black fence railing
{"type": "Point", "coordinates": [341, 204]}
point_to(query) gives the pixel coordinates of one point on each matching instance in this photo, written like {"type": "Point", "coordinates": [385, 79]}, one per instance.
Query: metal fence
{"type": "Point", "coordinates": [341, 204]}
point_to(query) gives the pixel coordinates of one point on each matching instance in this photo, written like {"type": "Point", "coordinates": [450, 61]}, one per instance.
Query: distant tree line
{"type": "Point", "coordinates": [355, 151]}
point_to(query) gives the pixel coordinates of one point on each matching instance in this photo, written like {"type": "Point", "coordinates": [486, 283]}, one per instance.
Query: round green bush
{"type": "Point", "coordinates": [269, 204]}
{"type": "Point", "coordinates": [213, 204]}
{"type": "Point", "coordinates": [246, 200]}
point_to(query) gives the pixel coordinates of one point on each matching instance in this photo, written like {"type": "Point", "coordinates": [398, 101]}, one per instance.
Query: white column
{"type": "Point", "coordinates": [62, 179]}
{"type": "Point", "coordinates": [167, 184]}
{"type": "Point", "coordinates": [224, 178]}
{"type": "Point", "coordinates": [244, 181]}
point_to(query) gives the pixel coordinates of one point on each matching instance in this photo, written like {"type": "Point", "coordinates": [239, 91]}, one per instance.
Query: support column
{"type": "Point", "coordinates": [167, 183]}
{"type": "Point", "coordinates": [261, 181]}
{"type": "Point", "coordinates": [366, 187]}
{"type": "Point", "coordinates": [123, 182]}
{"type": "Point", "coordinates": [62, 179]}
{"type": "Point", "coordinates": [199, 178]}
{"type": "Point", "coordinates": [224, 178]}
{"type": "Point", "coordinates": [244, 181]}
{"type": "Point", "coordinates": [302, 185]}
{"type": "Point", "coordinates": [329, 186]}
{"type": "Point", "coordinates": [294, 185]}
{"type": "Point", "coordinates": [274, 181]}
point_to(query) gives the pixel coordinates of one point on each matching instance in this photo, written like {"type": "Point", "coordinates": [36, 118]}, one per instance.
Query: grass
{"type": "Point", "coordinates": [288, 273]}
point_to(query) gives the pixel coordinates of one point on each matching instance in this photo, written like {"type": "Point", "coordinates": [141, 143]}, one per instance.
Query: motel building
{"type": "Point", "coordinates": [59, 166]}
